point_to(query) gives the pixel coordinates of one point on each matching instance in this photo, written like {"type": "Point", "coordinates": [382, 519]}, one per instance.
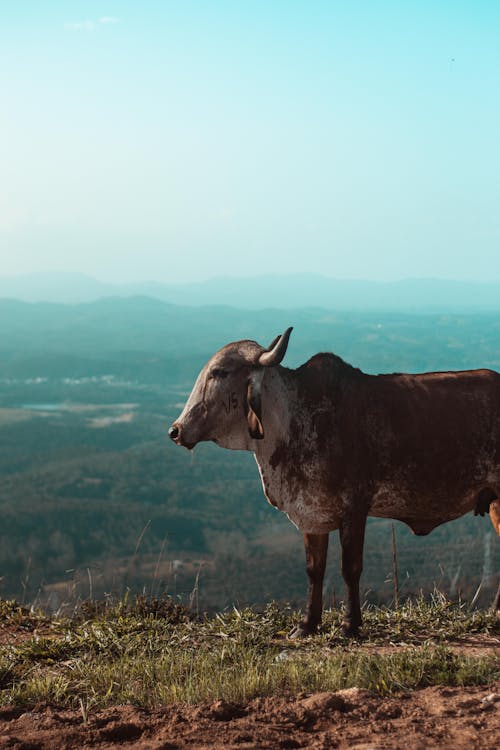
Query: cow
{"type": "Point", "coordinates": [335, 445]}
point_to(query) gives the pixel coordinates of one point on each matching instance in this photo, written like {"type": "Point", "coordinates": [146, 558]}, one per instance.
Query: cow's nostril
{"type": "Point", "coordinates": [173, 432]}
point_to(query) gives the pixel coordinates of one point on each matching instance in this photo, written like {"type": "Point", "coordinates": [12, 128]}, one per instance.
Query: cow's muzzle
{"type": "Point", "coordinates": [175, 434]}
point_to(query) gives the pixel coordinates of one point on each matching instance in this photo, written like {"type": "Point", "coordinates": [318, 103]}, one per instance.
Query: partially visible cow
{"type": "Point", "coordinates": [335, 445]}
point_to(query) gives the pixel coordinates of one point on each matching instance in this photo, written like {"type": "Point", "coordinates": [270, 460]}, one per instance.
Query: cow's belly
{"type": "Point", "coordinates": [422, 511]}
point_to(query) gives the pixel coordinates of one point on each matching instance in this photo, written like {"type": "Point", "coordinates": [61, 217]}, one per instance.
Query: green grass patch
{"type": "Point", "coordinates": [152, 652]}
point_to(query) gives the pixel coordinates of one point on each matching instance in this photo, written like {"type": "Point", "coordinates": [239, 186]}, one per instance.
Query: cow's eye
{"type": "Point", "coordinates": [219, 373]}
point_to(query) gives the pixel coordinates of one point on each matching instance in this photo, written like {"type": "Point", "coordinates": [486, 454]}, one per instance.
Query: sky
{"type": "Point", "coordinates": [177, 141]}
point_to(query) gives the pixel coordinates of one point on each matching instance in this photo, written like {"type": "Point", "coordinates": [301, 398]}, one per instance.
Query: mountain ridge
{"type": "Point", "coordinates": [287, 291]}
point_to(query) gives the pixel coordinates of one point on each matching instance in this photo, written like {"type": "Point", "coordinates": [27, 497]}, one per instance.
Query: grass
{"type": "Point", "coordinates": [152, 652]}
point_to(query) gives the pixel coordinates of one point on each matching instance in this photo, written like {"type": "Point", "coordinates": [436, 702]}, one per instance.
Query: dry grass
{"type": "Point", "coordinates": [152, 652]}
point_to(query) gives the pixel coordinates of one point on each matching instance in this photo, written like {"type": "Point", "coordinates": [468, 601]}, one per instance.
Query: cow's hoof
{"type": "Point", "coordinates": [350, 631]}
{"type": "Point", "coordinates": [302, 630]}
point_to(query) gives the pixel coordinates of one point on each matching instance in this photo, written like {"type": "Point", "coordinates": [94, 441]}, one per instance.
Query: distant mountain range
{"type": "Point", "coordinates": [267, 291]}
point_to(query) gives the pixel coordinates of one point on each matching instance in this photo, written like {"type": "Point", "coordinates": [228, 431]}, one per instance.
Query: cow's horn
{"type": "Point", "coordinates": [273, 343]}
{"type": "Point", "coordinates": [278, 350]}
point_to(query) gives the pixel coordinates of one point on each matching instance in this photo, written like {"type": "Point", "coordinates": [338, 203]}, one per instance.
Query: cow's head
{"type": "Point", "coordinates": [225, 403]}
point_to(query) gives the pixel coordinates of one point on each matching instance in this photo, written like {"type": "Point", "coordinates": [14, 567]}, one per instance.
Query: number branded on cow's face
{"type": "Point", "coordinates": [231, 403]}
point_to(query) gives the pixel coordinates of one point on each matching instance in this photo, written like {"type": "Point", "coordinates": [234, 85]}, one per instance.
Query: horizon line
{"type": "Point", "coordinates": [222, 277]}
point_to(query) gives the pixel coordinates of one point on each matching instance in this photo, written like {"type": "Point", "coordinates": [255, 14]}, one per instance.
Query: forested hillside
{"type": "Point", "coordinates": [95, 499]}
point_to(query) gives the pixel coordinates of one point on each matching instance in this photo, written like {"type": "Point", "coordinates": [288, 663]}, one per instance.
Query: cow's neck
{"type": "Point", "coordinates": [278, 396]}
{"type": "Point", "coordinates": [289, 462]}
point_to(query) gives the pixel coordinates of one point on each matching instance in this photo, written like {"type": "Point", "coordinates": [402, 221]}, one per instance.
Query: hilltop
{"type": "Point", "coordinates": [151, 674]}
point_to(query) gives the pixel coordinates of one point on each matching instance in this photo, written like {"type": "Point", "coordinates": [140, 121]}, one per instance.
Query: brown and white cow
{"type": "Point", "coordinates": [334, 445]}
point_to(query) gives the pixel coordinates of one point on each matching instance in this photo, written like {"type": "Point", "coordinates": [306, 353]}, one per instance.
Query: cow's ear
{"type": "Point", "coordinates": [254, 407]}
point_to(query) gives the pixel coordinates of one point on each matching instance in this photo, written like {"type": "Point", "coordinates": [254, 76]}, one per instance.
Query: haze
{"type": "Point", "coordinates": [178, 141]}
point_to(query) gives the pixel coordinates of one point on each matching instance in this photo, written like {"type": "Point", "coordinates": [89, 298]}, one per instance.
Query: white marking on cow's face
{"type": "Point", "coordinates": [216, 408]}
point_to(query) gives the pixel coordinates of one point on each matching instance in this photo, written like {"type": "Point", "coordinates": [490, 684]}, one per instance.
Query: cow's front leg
{"type": "Point", "coordinates": [352, 535]}
{"type": "Point", "coordinates": [316, 546]}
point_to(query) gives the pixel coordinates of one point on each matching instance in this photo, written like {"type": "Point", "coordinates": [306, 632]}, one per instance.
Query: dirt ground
{"type": "Point", "coordinates": [437, 717]}
{"type": "Point", "coordinates": [355, 719]}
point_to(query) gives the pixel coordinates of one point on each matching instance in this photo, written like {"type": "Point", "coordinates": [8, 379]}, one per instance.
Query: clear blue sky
{"type": "Point", "coordinates": [182, 140]}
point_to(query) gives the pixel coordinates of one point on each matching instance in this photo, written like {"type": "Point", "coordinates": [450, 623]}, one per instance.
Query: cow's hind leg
{"type": "Point", "coordinates": [494, 511]}
{"type": "Point", "coordinates": [316, 546]}
{"type": "Point", "coordinates": [495, 520]}
{"type": "Point", "coordinates": [352, 535]}
{"type": "Point", "coordinates": [496, 601]}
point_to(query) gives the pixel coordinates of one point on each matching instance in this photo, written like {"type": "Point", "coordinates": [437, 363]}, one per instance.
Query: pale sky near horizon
{"type": "Point", "coordinates": [182, 140]}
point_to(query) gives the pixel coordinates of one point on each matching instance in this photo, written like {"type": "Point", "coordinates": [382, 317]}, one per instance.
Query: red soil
{"type": "Point", "coordinates": [458, 718]}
